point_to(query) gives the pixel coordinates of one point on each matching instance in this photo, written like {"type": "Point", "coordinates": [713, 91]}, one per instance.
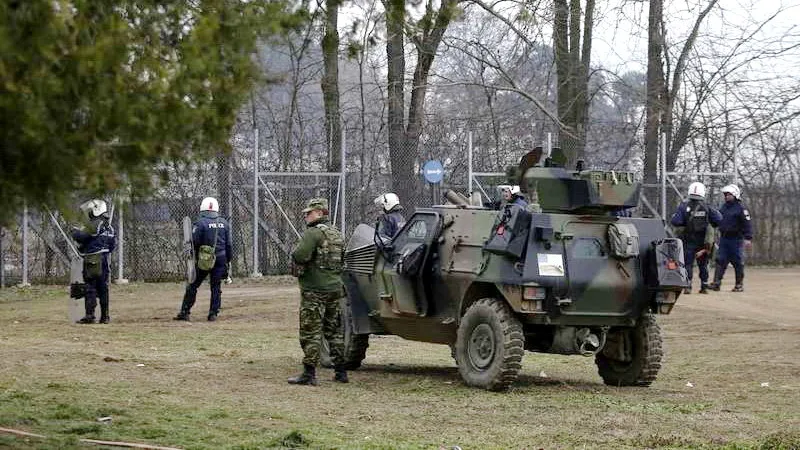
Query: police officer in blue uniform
{"type": "Point", "coordinates": [214, 231]}
{"type": "Point", "coordinates": [391, 218]}
{"type": "Point", "coordinates": [736, 233]}
{"type": "Point", "coordinates": [511, 196]}
{"type": "Point", "coordinates": [95, 246]}
{"type": "Point", "coordinates": [694, 216]}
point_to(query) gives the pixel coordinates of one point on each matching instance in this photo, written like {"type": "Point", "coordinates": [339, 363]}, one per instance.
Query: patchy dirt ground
{"type": "Point", "coordinates": [731, 379]}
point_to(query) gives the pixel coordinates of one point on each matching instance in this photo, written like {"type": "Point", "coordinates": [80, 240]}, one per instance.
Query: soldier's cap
{"type": "Point", "coordinates": [316, 203]}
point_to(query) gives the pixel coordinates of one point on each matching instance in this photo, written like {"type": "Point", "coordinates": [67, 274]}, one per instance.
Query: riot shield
{"type": "Point", "coordinates": [188, 250]}
{"type": "Point", "coordinates": [77, 289]}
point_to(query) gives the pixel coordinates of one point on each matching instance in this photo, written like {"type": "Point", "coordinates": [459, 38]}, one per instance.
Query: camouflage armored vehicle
{"type": "Point", "coordinates": [565, 276]}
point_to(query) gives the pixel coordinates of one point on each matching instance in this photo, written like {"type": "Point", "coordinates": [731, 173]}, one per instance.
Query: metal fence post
{"type": "Point", "coordinates": [343, 176]}
{"type": "Point", "coordinates": [256, 273]}
{"type": "Point", "coordinates": [121, 245]}
{"type": "Point", "coordinates": [2, 259]}
{"type": "Point", "coordinates": [735, 160]}
{"type": "Point", "coordinates": [25, 246]}
{"type": "Point", "coordinates": [664, 176]}
{"type": "Point", "coordinates": [469, 162]}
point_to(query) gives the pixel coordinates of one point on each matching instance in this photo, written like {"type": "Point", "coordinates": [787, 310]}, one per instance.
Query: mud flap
{"type": "Point", "coordinates": [188, 250]}
{"type": "Point", "coordinates": [75, 307]}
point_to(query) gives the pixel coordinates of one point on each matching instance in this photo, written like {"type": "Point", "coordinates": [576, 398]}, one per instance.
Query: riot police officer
{"type": "Point", "coordinates": [736, 233]}
{"type": "Point", "coordinates": [391, 217]}
{"type": "Point", "coordinates": [694, 216]}
{"type": "Point", "coordinates": [210, 236]}
{"type": "Point", "coordinates": [319, 259]}
{"type": "Point", "coordinates": [511, 196]}
{"type": "Point", "coordinates": [95, 246]}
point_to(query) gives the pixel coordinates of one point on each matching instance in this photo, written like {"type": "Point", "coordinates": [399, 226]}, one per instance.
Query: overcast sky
{"type": "Point", "coordinates": [620, 41]}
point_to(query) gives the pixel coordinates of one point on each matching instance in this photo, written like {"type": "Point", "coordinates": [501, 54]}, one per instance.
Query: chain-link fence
{"type": "Point", "coordinates": [150, 224]}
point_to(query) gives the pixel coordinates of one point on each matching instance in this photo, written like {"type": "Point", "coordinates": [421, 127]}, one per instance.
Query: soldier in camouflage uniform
{"type": "Point", "coordinates": [318, 266]}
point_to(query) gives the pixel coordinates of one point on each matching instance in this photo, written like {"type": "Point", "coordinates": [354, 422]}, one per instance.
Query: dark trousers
{"type": "Point", "coordinates": [690, 249]}
{"type": "Point", "coordinates": [189, 297]}
{"type": "Point", "coordinates": [730, 251]}
{"type": "Point", "coordinates": [96, 287]}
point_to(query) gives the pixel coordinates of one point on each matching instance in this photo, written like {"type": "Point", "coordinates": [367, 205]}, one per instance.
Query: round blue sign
{"type": "Point", "coordinates": [433, 171]}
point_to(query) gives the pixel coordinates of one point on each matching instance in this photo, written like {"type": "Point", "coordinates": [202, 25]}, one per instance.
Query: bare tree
{"type": "Point", "coordinates": [330, 84]}
{"type": "Point", "coordinates": [404, 132]}
{"type": "Point", "coordinates": [573, 54]}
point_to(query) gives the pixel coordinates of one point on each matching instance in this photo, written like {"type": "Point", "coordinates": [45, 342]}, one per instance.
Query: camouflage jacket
{"type": "Point", "coordinates": [314, 277]}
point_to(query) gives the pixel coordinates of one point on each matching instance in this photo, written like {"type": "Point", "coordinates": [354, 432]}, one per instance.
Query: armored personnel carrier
{"type": "Point", "coordinates": [565, 275]}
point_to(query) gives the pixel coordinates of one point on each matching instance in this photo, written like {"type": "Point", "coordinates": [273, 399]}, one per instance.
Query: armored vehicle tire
{"type": "Point", "coordinates": [489, 345]}
{"type": "Point", "coordinates": [355, 345]}
{"type": "Point", "coordinates": [355, 350]}
{"type": "Point", "coordinates": [631, 356]}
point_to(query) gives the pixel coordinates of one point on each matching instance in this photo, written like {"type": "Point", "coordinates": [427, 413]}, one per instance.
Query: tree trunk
{"type": "Point", "coordinates": [573, 57]}
{"type": "Point", "coordinates": [401, 159]}
{"type": "Point", "coordinates": [404, 139]}
{"type": "Point", "coordinates": [330, 85]}
{"type": "Point", "coordinates": [655, 88]}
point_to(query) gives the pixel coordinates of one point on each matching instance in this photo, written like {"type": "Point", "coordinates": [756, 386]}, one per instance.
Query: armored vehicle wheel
{"type": "Point", "coordinates": [631, 356]}
{"type": "Point", "coordinates": [355, 345]}
{"type": "Point", "coordinates": [489, 345]}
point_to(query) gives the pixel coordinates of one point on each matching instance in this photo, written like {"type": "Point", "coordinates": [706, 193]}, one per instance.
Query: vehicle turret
{"type": "Point", "coordinates": [557, 189]}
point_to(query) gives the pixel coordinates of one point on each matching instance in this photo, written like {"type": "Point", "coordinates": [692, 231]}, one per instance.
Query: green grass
{"type": "Point", "coordinates": [222, 385]}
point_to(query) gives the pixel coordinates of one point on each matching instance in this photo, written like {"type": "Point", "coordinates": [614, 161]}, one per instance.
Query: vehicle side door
{"type": "Point", "coordinates": [407, 258]}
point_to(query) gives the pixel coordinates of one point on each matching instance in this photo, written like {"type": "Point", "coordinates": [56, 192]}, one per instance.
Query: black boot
{"type": "Point", "coordinates": [86, 319]}
{"type": "Point", "coordinates": [105, 319]}
{"type": "Point", "coordinates": [309, 376]}
{"type": "Point", "coordinates": [340, 375]}
{"type": "Point", "coordinates": [704, 288]}
{"type": "Point", "coordinates": [183, 315]}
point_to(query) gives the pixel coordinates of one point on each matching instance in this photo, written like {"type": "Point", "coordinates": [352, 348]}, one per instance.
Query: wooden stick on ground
{"type": "Point", "coordinates": [127, 444]}
{"type": "Point", "coordinates": [91, 441]}
{"type": "Point", "coordinates": [21, 433]}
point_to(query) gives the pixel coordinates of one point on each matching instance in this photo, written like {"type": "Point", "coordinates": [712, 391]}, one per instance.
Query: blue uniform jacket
{"type": "Point", "coordinates": [102, 238]}
{"type": "Point", "coordinates": [203, 234]}
{"type": "Point", "coordinates": [519, 201]}
{"type": "Point", "coordinates": [736, 221]}
{"type": "Point", "coordinates": [681, 218]}
{"type": "Point", "coordinates": [390, 223]}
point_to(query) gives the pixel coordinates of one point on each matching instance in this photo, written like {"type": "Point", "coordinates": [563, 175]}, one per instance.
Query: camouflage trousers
{"type": "Point", "coordinates": [320, 316]}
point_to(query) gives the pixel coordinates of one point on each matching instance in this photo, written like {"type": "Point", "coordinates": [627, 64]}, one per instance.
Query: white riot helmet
{"type": "Point", "coordinates": [733, 190]}
{"type": "Point", "coordinates": [387, 201]}
{"type": "Point", "coordinates": [697, 191]}
{"type": "Point", "coordinates": [514, 190]}
{"type": "Point", "coordinates": [209, 204]}
{"type": "Point", "coordinates": [94, 208]}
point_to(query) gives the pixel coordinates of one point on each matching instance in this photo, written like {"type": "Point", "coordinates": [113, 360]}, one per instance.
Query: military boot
{"type": "Point", "coordinates": [340, 375]}
{"type": "Point", "coordinates": [105, 319]}
{"type": "Point", "coordinates": [86, 319]}
{"type": "Point", "coordinates": [714, 286]}
{"type": "Point", "coordinates": [309, 376]}
{"type": "Point", "coordinates": [183, 315]}
{"type": "Point", "coordinates": [704, 288]}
